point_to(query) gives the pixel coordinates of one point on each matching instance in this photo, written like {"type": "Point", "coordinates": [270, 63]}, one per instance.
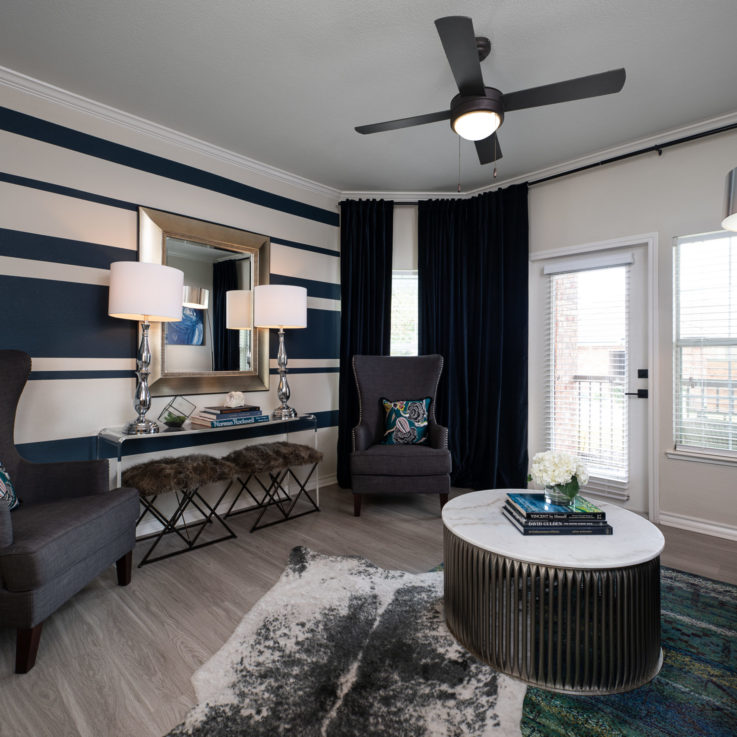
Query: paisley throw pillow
{"type": "Point", "coordinates": [7, 491]}
{"type": "Point", "coordinates": [406, 421]}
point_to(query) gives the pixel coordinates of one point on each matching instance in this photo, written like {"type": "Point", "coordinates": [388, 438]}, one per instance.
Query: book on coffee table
{"type": "Point", "coordinates": [564, 527]}
{"type": "Point", "coordinates": [513, 512]}
{"type": "Point", "coordinates": [533, 506]}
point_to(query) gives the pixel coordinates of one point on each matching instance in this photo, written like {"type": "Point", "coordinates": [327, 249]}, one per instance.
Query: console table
{"type": "Point", "coordinates": [573, 614]}
{"type": "Point", "coordinates": [112, 442]}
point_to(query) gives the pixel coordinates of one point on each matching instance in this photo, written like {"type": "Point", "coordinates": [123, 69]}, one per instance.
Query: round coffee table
{"type": "Point", "coordinates": [569, 613]}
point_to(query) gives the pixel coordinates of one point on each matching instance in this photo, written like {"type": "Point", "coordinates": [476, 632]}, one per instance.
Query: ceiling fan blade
{"type": "Point", "coordinates": [487, 148]}
{"type": "Point", "coordinates": [459, 42]}
{"type": "Point", "coordinates": [594, 85]}
{"type": "Point", "coordinates": [391, 125]}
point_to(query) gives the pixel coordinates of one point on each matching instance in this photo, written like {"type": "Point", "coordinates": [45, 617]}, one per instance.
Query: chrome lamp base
{"type": "Point", "coordinates": [284, 412]}
{"type": "Point", "coordinates": [147, 427]}
{"type": "Point", "coordinates": [142, 426]}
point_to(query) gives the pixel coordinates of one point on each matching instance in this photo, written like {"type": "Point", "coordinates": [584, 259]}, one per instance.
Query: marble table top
{"type": "Point", "coordinates": [477, 518]}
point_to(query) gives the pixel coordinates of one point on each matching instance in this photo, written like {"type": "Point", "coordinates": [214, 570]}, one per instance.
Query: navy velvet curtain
{"type": "Point", "coordinates": [365, 304]}
{"type": "Point", "coordinates": [473, 274]}
{"type": "Point", "coordinates": [225, 342]}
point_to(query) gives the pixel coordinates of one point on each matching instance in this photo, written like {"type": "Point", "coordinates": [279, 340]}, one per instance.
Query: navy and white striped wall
{"type": "Point", "coordinates": [70, 187]}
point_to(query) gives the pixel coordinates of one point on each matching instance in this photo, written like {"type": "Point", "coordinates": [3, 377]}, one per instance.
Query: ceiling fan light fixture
{"type": "Point", "coordinates": [477, 124]}
{"type": "Point", "coordinates": [474, 117]}
{"type": "Point", "coordinates": [730, 201]}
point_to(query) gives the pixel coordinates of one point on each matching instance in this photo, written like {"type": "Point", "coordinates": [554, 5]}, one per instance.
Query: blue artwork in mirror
{"type": "Point", "coordinates": [189, 331]}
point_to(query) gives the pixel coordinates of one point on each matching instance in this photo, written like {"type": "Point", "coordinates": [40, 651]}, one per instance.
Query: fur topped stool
{"type": "Point", "coordinates": [277, 461]}
{"type": "Point", "coordinates": [183, 476]}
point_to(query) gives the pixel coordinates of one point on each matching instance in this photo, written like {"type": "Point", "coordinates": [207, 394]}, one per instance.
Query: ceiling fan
{"type": "Point", "coordinates": [477, 111]}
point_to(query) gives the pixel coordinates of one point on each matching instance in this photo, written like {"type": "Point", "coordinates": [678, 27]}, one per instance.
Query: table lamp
{"type": "Point", "coordinates": [280, 306]}
{"type": "Point", "coordinates": [238, 309]}
{"type": "Point", "coordinates": [147, 293]}
{"type": "Point", "coordinates": [198, 298]}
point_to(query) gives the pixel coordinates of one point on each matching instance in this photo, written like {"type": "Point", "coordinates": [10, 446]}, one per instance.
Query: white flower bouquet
{"type": "Point", "coordinates": [562, 475]}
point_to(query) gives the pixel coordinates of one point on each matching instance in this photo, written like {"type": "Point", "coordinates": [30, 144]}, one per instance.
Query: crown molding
{"type": "Point", "coordinates": [650, 141]}
{"type": "Point", "coordinates": [45, 91]}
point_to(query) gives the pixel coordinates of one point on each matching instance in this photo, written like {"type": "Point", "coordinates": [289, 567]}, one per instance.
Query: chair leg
{"type": "Point", "coordinates": [124, 566]}
{"type": "Point", "coordinates": [356, 505]}
{"type": "Point", "coordinates": [26, 647]}
{"type": "Point", "coordinates": [443, 500]}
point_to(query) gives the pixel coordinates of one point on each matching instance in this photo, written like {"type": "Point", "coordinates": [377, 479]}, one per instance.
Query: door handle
{"type": "Point", "coordinates": [640, 394]}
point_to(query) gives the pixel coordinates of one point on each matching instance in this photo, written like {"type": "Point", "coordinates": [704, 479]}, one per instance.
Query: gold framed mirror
{"type": "Point", "coordinates": [201, 354]}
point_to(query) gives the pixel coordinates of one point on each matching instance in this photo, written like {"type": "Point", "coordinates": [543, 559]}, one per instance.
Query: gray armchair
{"type": "Point", "coordinates": [68, 528]}
{"type": "Point", "coordinates": [397, 469]}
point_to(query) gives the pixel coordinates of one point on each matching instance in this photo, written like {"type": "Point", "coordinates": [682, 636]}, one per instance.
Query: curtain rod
{"type": "Point", "coordinates": [649, 149]}
{"type": "Point", "coordinates": [659, 147]}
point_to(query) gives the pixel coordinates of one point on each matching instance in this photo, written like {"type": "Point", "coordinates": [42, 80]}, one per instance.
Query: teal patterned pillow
{"type": "Point", "coordinates": [406, 421]}
{"type": "Point", "coordinates": [7, 492]}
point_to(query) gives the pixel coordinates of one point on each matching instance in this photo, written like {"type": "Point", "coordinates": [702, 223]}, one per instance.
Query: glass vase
{"type": "Point", "coordinates": [560, 495]}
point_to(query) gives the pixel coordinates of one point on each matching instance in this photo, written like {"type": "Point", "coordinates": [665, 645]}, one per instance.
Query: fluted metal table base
{"type": "Point", "coordinates": [570, 630]}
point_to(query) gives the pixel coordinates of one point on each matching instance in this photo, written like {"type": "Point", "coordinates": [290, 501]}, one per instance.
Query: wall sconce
{"type": "Point", "coordinates": [147, 293]}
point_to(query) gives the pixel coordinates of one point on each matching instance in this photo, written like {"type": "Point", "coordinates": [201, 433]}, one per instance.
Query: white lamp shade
{"type": "Point", "coordinates": [239, 309]}
{"type": "Point", "coordinates": [197, 298]}
{"type": "Point", "coordinates": [145, 292]}
{"type": "Point", "coordinates": [280, 306]}
{"type": "Point", "coordinates": [730, 201]}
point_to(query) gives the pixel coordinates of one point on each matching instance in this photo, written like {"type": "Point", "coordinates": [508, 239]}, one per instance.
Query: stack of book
{"type": "Point", "coordinates": [247, 414]}
{"type": "Point", "coordinates": [532, 516]}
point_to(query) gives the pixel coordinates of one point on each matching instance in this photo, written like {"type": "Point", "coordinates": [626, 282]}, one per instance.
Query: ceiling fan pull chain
{"type": "Point", "coordinates": [495, 142]}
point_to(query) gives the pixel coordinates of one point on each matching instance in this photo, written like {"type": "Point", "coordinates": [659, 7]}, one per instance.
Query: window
{"type": "Point", "coordinates": [404, 313]}
{"type": "Point", "coordinates": [587, 362]}
{"type": "Point", "coordinates": [705, 343]}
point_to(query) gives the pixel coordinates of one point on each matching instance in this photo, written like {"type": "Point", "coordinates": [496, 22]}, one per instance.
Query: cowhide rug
{"type": "Point", "coordinates": [342, 648]}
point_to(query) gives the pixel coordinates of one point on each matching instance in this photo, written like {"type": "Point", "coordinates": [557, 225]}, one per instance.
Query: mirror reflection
{"type": "Point", "coordinates": [215, 347]}
{"type": "Point", "coordinates": [203, 340]}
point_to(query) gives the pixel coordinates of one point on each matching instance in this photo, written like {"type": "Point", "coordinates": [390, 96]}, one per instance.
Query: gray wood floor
{"type": "Point", "coordinates": [118, 661]}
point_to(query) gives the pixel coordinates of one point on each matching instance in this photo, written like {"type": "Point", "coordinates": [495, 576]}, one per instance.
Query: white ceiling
{"type": "Point", "coordinates": [285, 81]}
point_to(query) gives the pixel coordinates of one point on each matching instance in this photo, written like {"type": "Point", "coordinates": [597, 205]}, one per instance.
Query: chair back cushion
{"type": "Point", "coordinates": [15, 367]}
{"type": "Point", "coordinates": [394, 377]}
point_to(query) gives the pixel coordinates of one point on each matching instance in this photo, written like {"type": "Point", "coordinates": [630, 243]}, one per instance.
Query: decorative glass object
{"type": "Point", "coordinates": [561, 474]}
{"type": "Point", "coordinates": [561, 494]}
{"type": "Point", "coordinates": [176, 412]}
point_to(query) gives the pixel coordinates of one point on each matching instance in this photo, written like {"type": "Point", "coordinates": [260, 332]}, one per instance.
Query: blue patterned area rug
{"type": "Point", "coordinates": [695, 693]}
{"type": "Point", "coordinates": [342, 648]}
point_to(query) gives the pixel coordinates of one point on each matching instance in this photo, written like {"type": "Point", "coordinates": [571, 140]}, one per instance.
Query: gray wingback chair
{"type": "Point", "coordinates": [397, 469]}
{"type": "Point", "coordinates": [68, 529]}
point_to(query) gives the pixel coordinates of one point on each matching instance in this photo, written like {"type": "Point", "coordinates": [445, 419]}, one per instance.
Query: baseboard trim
{"type": "Point", "coordinates": [326, 481]}
{"type": "Point", "coordinates": [705, 527]}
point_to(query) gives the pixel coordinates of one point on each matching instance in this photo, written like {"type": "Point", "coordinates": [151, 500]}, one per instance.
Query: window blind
{"type": "Point", "coordinates": [586, 370]}
{"type": "Point", "coordinates": [404, 335]}
{"type": "Point", "coordinates": [705, 343]}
